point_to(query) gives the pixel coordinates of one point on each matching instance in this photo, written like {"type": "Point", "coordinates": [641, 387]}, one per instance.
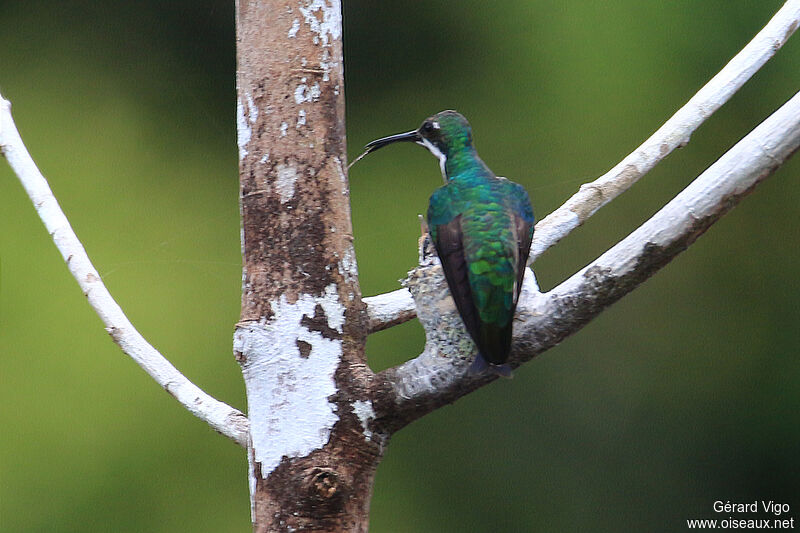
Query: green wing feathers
{"type": "Point", "coordinates": [482, 232]}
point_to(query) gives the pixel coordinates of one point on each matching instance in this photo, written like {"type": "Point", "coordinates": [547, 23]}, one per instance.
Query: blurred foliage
{"type": "Point", "coordinates": [685, 392]}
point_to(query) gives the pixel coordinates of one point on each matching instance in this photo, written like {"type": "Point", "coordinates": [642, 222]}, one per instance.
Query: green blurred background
{"type": "Point", "coordinates": [685, 392]}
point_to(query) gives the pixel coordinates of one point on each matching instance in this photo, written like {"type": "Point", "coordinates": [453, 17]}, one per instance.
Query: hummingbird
{"type": "Point", "coordinates": [481, 226]}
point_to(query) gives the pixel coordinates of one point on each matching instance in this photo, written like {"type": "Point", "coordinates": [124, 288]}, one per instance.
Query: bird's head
{"type": "Point", "coordinates": [444, 134]}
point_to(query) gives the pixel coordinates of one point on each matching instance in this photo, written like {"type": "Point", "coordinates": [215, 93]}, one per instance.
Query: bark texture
{"type": "Point", "coordinates": [303, 325]}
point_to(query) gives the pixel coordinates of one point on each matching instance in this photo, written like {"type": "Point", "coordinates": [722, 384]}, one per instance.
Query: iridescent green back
{"type": "Point", "coordinates": [482, 227]}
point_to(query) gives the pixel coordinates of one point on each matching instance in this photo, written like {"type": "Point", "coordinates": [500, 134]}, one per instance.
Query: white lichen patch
{"type": "Point", "coordinates": [288, 391]}
{"type": "Point", "coordinates": [284, 182]}
{"type": "Point", "coordinates": [333, 309]}
{"type": "Point", "coordinates": [366, 414]}
{"type": "Point", "coordinates": [327, 64]}
{"type": "Point", "coordinates": [342, 175]}
{"type": "Point", "coordinates": [251, 481]}
{"type": "Point", "coordinates": [347, 265]}
{"type": "Point", "coordinates": [301, 118]}
{"type": "Point", "coordinates": [252, 109]}
{"type": "Point", "coordinates": [324, 19]}
{"type": "Point", "coordinates": [241, 245]}
{"type": "Point", "coordinates": [243, 131]}
{"type": "Point", "coordinates": [284, 129]}
{"type": "Point", "coordinates": [244, 120]}
{"type": "Point", "coordinates": [294, 29]}
{"type": "Point", "coordinates": [305, 93]}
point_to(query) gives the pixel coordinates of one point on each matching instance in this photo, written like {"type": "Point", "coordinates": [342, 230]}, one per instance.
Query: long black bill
{"type": "Point", "coordinates": [411, 136]}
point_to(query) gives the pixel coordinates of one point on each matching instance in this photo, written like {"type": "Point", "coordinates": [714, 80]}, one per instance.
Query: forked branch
{"type": "Point", "coordinates": [220, 416]}
{"type": "Point", "coordinates": [393, 308]}
{"type": "Point", "coordinates": [438, 376]}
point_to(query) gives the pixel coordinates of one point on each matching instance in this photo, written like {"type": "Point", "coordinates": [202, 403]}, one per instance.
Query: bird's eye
{"type": "Point", "coordinates": [427, 127]}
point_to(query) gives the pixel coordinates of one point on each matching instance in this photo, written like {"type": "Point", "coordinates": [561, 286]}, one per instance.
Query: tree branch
{"type": "Point", "coordinates": [396, 307]}
{"type": "Point", "coordinates": [301, 336]}
{"type": "Point", "coordinates": [438, 376]}
{"type": "Point", "coordinates": [390, 309]}
{"type": "Point", "coordinates": [220, 416]}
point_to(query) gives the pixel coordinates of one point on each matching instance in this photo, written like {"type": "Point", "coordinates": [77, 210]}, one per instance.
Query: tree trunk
{"type": "Point", "coordinates": [301, 337]}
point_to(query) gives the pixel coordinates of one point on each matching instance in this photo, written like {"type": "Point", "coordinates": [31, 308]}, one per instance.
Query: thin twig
{"type": "Point", "coordinates": [220, 416]}
{"type": "Point", "coordinates": [390, 309]}
{"type": "Point", "coordinates": [393, 308]}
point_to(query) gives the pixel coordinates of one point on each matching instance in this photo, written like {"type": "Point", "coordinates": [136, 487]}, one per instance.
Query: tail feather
{"type": "Point", "coordinates": [494, 342]}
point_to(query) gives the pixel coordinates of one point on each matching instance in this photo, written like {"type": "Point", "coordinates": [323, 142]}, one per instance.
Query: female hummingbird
{"type": "Point", "coordinates": [481, 226]}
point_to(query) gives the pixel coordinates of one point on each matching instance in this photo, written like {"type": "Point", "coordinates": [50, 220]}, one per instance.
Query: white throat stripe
{"type": "Point", "coordinates": [439, 155]}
